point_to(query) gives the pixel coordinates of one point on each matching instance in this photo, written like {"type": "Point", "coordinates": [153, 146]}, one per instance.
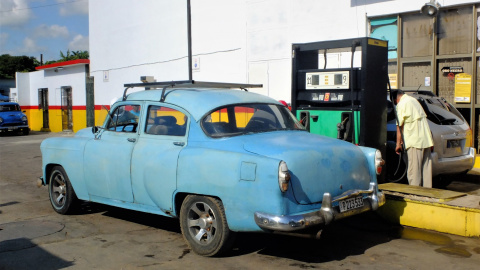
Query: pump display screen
{"type": "Point", "coordinates": [327, 80]}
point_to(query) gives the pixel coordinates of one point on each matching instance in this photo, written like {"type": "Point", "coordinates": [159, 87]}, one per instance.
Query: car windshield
{"type": "Point", "coordinates": [241, 119]}
{"type": "Point", "coordinates": [9, 108]}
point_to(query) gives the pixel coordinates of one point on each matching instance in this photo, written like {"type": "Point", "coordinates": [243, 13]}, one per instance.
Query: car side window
{"type": "Point", "coordinates": [124, 118]}
{"type": "Point", "coordinates": [165, 121]}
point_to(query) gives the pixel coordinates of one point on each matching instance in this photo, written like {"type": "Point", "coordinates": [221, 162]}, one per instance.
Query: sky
{"type": "Point", "coordinates": [35, 27]}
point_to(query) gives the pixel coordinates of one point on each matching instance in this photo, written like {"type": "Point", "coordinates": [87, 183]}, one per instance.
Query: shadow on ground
{"type": "Point", "coordinates": [343, 238]}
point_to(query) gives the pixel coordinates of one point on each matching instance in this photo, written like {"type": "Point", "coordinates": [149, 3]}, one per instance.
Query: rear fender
{"type": "Point", "coordinates": [245, 183]}
{"type": "Point", "coordinates": [68, 153]}
{"type": "Point", "coordinates": [370, 156]}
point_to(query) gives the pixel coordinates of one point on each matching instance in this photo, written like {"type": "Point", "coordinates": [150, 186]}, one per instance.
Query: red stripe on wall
{"type": "Point", "coordinates": [100, 107]}
{"type": "Point", "coordinates": [97, 107]}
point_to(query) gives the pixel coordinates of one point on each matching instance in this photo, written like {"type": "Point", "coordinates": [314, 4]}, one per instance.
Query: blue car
{"type": "Point", "coordinates": [12, 119]}
{"type": "Point", "coordinates": [221, 160]}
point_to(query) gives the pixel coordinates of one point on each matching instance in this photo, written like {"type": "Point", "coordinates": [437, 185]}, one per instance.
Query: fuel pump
{"type": "Point", "coordinates": [339, 90]}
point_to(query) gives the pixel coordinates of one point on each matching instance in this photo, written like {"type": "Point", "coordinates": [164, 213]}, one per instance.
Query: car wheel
{"type": "Point", "coordinates": [62, 196]}
{"type": "Point", "coordinates": [204, 225]}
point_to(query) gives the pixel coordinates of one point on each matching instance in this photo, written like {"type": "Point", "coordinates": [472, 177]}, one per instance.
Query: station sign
{"type": "Point", "coordinates": [452, 70]}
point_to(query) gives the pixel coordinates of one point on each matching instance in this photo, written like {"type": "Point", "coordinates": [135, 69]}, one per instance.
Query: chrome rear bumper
{"type": "Point", "coordinates": [454, 164]}
{"type": "Point", "coordinates": [325, 215]}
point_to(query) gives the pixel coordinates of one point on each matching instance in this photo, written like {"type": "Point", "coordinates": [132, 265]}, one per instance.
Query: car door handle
{"type": "Point", "coordinates": [179, 143]}
{"type": "Point", "coordinates": [131, 139]}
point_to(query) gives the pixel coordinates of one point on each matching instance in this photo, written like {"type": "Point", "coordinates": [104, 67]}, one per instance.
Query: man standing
{"type": "Point", "coordinates": [412, 122]}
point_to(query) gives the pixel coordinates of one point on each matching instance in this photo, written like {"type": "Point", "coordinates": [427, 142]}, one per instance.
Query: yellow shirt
{"type": "Point", "coordinates": [411, 116]}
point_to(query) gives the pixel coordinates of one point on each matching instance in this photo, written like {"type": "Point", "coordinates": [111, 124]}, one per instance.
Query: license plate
{"type": "Point", "coordinates": [350, 204]}
{"type": "Point", "coordinates": [453, 143]}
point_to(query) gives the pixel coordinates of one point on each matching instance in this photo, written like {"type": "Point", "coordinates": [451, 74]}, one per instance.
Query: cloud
{"type": "Point", "coordinates": [73, 8]}
{"type": "Point", "coordinates": [30, 46]}
{"type": "Point", "coordinates": [3, 39]}
{"type": "Point", "coordinates": [79, 43]}
{"type": "Point", "coordinates": [52, 31]}
{"type": "Point", "coordinates": [14, 12]}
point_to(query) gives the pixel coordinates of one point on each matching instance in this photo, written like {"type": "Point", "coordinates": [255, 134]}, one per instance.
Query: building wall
{"type": "Point", "coordinates": [138, 38]}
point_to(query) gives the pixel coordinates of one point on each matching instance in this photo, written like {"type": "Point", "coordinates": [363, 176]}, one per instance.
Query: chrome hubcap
{"type": "Point", "coordinates": [59, 190]}
{"type": "Point", "coordinates": [202, 224]}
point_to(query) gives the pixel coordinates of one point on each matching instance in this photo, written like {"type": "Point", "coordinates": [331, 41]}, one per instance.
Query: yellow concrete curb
{"type": "Point", "coordinates": [432, 209]}
{"type": "Point", "coordinates": [438, 217]}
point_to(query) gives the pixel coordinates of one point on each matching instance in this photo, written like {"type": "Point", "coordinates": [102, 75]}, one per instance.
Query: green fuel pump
{"type": "Point", "coordinates": [339, 90]}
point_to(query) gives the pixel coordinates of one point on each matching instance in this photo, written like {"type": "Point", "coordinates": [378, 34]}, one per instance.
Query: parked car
{"type": "Point", "coordinates": [12, 119]}
{"type": "Point", "coordinates": [452, 153]}
{"type": "Point", "coordinates": [220, 160]}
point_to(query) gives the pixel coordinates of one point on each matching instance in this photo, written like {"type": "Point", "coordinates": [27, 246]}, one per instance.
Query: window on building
{"type": "Point", "coordinates": [386, 29]}
{"type": "Point", "coordinates": [417, 35]}
{"type": "Point", "coordinates": [446, 80]}
{"type": "Point", "coordinates": [477, 101]}
{"type": "Point", "coordinates": [455, 31]}
{"type": "Point", "coordinates": [416, 76]}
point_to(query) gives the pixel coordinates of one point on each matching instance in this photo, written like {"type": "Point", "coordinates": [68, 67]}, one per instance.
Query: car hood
{"type": "Point", "coordinates": [85, 132]}
{"type": "Point", "coordinates": [12, 116]}
{"type": "Point", "coordinates": [317, 164]}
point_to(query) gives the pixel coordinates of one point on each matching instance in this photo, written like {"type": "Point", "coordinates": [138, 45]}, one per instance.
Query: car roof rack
{"type": "Point", "coordinates": [187, 84]}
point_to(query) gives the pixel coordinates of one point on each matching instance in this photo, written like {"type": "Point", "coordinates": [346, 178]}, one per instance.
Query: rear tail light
{"type": "Point", "coordinates": [469, 138]}
{"type": "Point", "coordinates": [379, 162]}
{"type": "Point", "coordinates": [283, 176]}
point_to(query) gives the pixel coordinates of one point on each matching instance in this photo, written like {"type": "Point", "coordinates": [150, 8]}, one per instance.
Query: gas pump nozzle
{"type": "Point", "coordinates": [341, 129]}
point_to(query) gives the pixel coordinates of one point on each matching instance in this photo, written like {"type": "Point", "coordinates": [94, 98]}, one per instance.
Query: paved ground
{"type": "Point", "coordinates": [33, 236]}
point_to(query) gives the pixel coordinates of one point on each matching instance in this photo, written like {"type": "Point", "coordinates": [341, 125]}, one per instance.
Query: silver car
{"type": "Point", "coordinates": [452, 153]}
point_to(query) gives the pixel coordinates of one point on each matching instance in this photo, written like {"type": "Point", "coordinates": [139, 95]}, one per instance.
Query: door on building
{"type": "Point", "coordinates": [67, 122]}
{"type": "Point", "coordinates": [43, 105]}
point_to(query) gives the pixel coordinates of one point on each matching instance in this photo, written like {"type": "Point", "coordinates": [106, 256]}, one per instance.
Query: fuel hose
{"type": "Point", "coordinates": [402, 153]}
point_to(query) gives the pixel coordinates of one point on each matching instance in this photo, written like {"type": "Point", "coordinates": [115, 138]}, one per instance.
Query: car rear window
{"type": "Point", "coordinates": [241, 119]}
{"type": "Point", "coordinates": [441, 112]}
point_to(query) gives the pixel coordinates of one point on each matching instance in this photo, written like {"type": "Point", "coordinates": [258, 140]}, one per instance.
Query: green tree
{"type": "Point", "coordinates": [11, 64]}
{"type": "Point", "coordinates": [74, 55]}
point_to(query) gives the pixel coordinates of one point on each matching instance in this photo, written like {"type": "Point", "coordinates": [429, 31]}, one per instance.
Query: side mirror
{"type": "Point", "coordinates": [95, 129]}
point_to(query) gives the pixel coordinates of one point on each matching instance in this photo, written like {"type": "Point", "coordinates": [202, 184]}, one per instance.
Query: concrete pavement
{"type": "Point", "coordinates": [33, 236]}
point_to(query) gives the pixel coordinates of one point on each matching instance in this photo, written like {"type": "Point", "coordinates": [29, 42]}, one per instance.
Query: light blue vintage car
{"type": "Point", "coordinates": [220, 160]}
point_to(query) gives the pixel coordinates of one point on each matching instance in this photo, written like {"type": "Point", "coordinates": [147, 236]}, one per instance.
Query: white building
{"type": "Point", "coordinates": [54, 98]}
{"type": "Point", "coordinates": [250, 41]}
